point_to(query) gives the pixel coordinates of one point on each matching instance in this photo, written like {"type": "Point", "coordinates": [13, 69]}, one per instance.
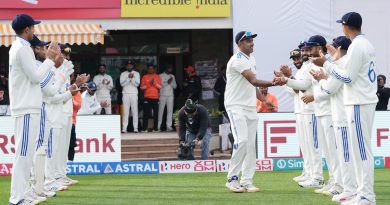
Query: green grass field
{"type": "Point", "coordinates": [208, 188]}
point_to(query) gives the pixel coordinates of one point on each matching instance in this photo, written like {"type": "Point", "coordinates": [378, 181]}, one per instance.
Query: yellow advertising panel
{"type": "Point", "coordinates": [175, 8]}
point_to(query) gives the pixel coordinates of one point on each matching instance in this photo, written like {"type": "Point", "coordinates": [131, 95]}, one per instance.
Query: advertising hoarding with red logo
{"type": "Point", "coordinates": [262, 165]}
{"type": "Point", "coordinates": [98, 139]}
{"type": "Point", "coordinates": [277, 137]}
{"type": "Point", "coordinates": [195, 166]}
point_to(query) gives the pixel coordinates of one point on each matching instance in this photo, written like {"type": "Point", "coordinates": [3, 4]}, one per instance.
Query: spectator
{"type": "Point", "coordinates": [192, 85]}
{"type": "Point", "coordinates": [383, 93]}
{"type": "Point", "coordinates": [219, 88]}
{"type": "Point", "coordinates": [76, 99]}
{"type": "Point", "coordinates": [104, 85]}
{"type": "Point", "coordinates": [271, 103]}
{"type": "Point", "coordinates": [130, 80]}
{"type": "Point", "coordinates": [194, 126]}
{"type": "Point", "coordinates": [166, 96]}
{"type": "Point", "coordinates": [4, 97]}
{"type": "Point", "coordinates": [89, 102]}
{"type": "Point", "coordinates": [151, 85]}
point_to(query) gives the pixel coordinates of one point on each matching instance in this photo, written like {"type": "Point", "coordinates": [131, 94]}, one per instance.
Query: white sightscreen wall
{"type": "Point", "coordinates": [282, 24]}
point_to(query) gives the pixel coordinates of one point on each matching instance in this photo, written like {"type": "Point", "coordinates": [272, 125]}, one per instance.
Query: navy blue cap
{"type": "Point", "coordinates": [65, 48]}
{"type": "Point", "coordinates": [37, 42]}
{"type": "Point", "coordinates": [22, 21]}
{"type": "Point", "coordinates": [351, 19]}
{"type": "Point", "coordinates": [244, 35]}
{"type": "Point", "coordinates": [342, 42]}
{"type": "Point", "coordinates": [92, 86]}
{"type": "Point", "coordinates": [301, 44]}
{"type": "Point", "coordinates": [295, 53]}
{"type": "Point", "coordinates": [315, 40]}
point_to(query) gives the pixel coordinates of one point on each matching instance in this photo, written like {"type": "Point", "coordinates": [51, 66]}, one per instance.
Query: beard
{"type": "Point", "coordinates": [298, 65]}
{"type": "Point", "coordinates": [305, 58]}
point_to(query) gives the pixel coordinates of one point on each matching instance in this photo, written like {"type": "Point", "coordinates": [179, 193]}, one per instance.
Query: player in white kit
{"type": "Point", "coordinates": [359, 78]}
{"type": "Point", "coordinates": [166, 96]}
{"type": "Point", "coordinates": [26, 101]}
{"type": "Point", "coordinates": [104, 85]}
{"type": "Point", "coordinates": [333, 87]}
{"type": "Point", "coordinates": [240, 103]}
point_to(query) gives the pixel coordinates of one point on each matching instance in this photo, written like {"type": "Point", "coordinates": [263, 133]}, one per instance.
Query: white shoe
{"type": "Point", "coordinates": [55, 186]}
{"type": "Point", "coordinates": [324, 188]}
{"type": "Point", "coordinates": [364, 201]}
{"type": "Point", "coordinates": [25, 202]}
{"type": "Point", "coordinates": [312, 183]}
{"type": "Point", "coordinates": [49, 194]}
{"type": "Point", "coordinates": [72, 181]}
{"type": "Point", "coordinates": [343, 197]}
{"type": "Point", "coordinates": [250, 188]}
{"type": "Point", "coordinates": [351, 201]}
{"type": "Point", "coordinates": [64, 182]}
{"type": "Point", "coordinates": [335, 190]}
{"type": "Point", "coordinates": [169, 129]}
{"type": "Point", "coordinates": [234, 186]}
{"type": "Point", "coordinates": [300, 178]}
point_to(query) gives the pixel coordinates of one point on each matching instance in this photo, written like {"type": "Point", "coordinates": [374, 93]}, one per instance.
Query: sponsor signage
{"type": "Point", "coordinates": [98, 139]}
{"type": "Point", "coordinates": [131, 167]}
{"type": "Point", "coordinates": [277, 137]}
{"type": "Point", "coordinates": [262, 165]}
{"type": "Point", "coordinates": [5, 169]}
{"type": "Point", "coordinates": [194, 166]}
{"type": "Point", "coordinates": [84, 168]}
{"type": "Point", "coordinates": [175, 8]}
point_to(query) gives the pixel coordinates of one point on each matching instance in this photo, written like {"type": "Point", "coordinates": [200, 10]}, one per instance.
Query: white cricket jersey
{"type": "Point", "coordinates": [240, 93]}
{"type": "Point", "coordinates": [321, 105]}
{"type": "Point", "coordinates": [89, 104]}
{"type": "Point", "coordinates": [104, 85]}
{"type": "Point", "coordinates": [24, 79]}
{"type": "Point", "coordinates": [130, 85]}
{"type": "Point", "coordinates": [303, 83]}
{"type": "Point", "coordinates": [359, 75]}
{"type": "Point", "coordinates": [167, 88]}
{"type": "Point", "coordinates": [51, 83]}
{"type": "Point", "coordinates": [334, 87]}
{"type": "Point", "coordinates": [298, 103]}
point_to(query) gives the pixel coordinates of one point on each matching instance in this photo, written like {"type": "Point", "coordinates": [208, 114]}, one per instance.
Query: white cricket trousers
{"type": "Point", "coordinates": [313, 147]}
{"type": "Point", "coordinates": [300, 123]}
{"type": "Point", "coordinates": [130, 101]}
{"type": "Point", "coordinates": [108, 109]}
{"type": "Point", "coordinates": [165, 101]}
{"type": "Point", "coordinates": [344, 142]}
{"type": "Point", "coordinates": [64, 147]}
{"type": "Point", "coordinates": [244, 126]}
{"type": "Point", "coordinates": [327, 140]}
{"type": "Point", "coordinates": [53, 161]}
{"type": "Point", "coordinates": [361, 119]}
{"type": "Point", "coordinates": [26, 129]}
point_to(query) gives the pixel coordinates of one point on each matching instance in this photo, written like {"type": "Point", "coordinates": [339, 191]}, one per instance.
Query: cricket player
{"type": "Point", "coordinates": [166, 96]}
{"type": "Point", "coordinates": [304, 84]}
{"type": "Point", "coordinates": [104, 85]}
{"type": "Point", "coordinates": [89, 102]}
{"type": "Point", "coordinates": [298, 61]}
{"type": "Point", "coordinates": [359, 78]}
{"type": "Point", "coordinates": [333, 87]}
{"type": "Point", "coordinates": [26, 101]}
{"type": "Point", "coordinates": [240, 103]}
{"type": "Point", "coordinates": [130, 81]}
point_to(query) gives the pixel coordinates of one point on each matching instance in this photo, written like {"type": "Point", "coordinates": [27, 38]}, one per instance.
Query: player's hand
{"type": "Point", "coordinates": [286, 71]}
{"type": "Point", "coordinates": [318, 61]}
{"type": "Point", "coordinates": [152, 81]}
{"type": "Point", "coordinates": [308, 99]}
{"type": "Point", "coordinates": [52, 51]}
{"type": "Point", "coordinates": [107, 82]}
{"type": "Point", "coordinates": [103, 104]}
{"type": "Point", "coordinates": [279, 81]}
{"type": "Point", "coordinates": [335, 53]}
{"type": "Point", "coordinates": [58, 60]}
{"type": "Point", "coordinates": [170, 80]}
{"type": "Point", "coordinates": [181, 142]}
{"type": "Point", "coordinates": [278, 73]}
{"type": "Point", "coordinates": [81, 79]}
{"type": "Point", "coordinates": [318, 75]}
{"type": "Point", "coordinates": [74, 89]}
{"type": "Point", "coordinates": [131, 75]}
{"type": "Point", "coordinates": [197, 141]}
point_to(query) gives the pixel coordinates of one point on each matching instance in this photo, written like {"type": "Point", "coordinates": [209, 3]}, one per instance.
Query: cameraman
{"type": "Point", "coordinates": [194, 126]}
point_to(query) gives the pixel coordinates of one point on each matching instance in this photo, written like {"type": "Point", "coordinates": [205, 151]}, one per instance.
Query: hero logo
{"type": "Point", "coordinates": [86, 145]}
{"type": "Point", "coordinates": [187, 166]}
{"type": "Point", "coordinates": [280, 139]}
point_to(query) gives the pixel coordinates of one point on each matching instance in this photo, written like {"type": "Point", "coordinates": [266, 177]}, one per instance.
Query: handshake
{"type": "Point", "coordinates": [282, 75]}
